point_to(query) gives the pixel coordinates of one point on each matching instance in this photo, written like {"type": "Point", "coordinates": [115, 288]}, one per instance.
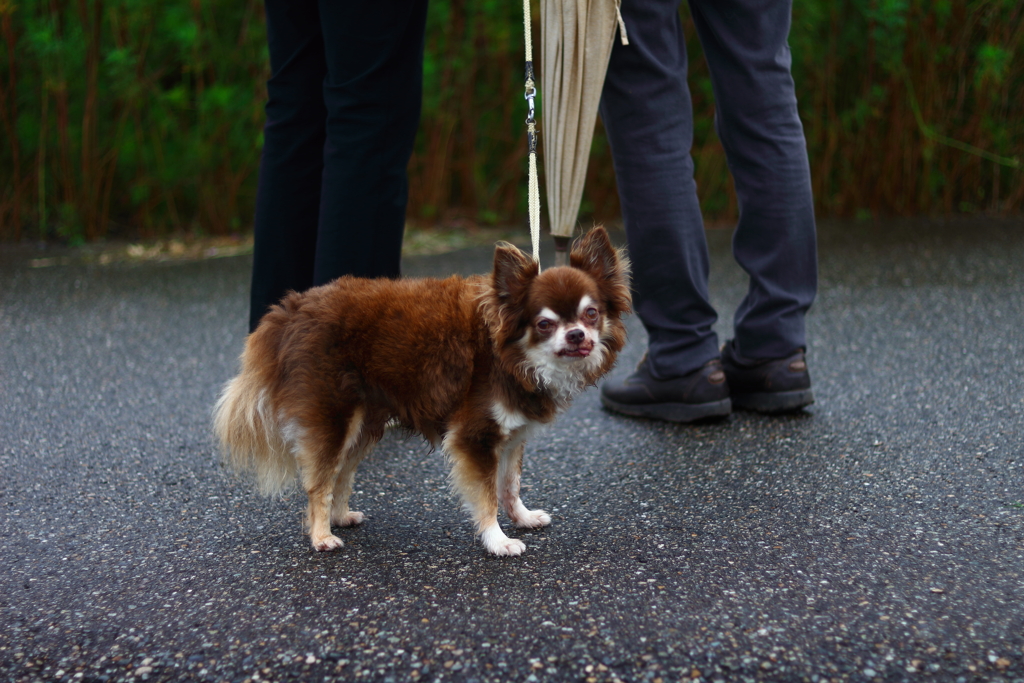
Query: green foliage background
{"type": "Point", "coordinates": [142, 118]}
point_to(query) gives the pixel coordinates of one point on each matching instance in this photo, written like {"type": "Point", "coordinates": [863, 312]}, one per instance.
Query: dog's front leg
{"type": "Point", "coordinates": [510, 468]}
{"type": "Point", "coordinates": [474, 477]}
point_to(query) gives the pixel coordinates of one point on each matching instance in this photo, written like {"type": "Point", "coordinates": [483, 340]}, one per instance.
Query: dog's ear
{"type": "Point", "coordinates": [594, 254]}
{"type": "Point", "coordinates": [513, 271]}
{"type": "Point", "coordinates": [503, 304]}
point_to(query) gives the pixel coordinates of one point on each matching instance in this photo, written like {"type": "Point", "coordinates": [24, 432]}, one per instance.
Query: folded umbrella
{"type": "Point", "coordinates": [576, 39]}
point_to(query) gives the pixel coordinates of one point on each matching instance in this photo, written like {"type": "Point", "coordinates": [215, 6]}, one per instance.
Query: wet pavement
{"type": "Point", "coordinates": [879, 535]}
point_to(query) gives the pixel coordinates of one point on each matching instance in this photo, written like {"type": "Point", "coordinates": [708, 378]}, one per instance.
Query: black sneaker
{"type": "Point", "coordinates": [768, 385]}
{"type": "Point", "coordinates": [698, 395]}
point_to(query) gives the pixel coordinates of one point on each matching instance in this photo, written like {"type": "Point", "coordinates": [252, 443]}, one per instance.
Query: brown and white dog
{"type": "Point", "coordinates": [473, 364]}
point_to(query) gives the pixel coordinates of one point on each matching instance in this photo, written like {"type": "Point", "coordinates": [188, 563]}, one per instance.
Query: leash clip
{"type": "Point", "coordinates": [531, 93]}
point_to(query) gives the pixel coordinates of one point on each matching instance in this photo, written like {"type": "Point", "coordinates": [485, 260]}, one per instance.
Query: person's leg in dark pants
{"type": "Point", "coordinates": [343, 108]}
{"type": "Point", "coordinates": [745, 43]}
{"type": "Point", "coordinates": [373, 94]}
{"type": "Point", "coordinates": [291, 166]}
{"type": "Point", "coordinates": [647, 113]}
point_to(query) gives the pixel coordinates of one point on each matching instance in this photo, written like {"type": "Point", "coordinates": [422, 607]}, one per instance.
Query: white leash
{"type": "Point", "coordinates": [531, 135]}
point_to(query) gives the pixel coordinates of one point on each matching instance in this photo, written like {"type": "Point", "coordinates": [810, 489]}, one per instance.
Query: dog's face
{"type": "Point", "coordinates": [566, 321]}
{"type": "Point", "coordinates": [566, 332]}
{"type": "Point", "coordinates": [563, 325]}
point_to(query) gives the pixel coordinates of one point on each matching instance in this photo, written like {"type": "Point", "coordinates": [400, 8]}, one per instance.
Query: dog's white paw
{"type": "Point", "coordinates": [352, 518]}
{"type": "Point", "coordinates": [506, 547]}
{"type": "Point", "coordinates": [497, 543]}
{"type": "Point", "coordinates": [532, 519]}
{"type": "Point", "coordinates": [328, 542]}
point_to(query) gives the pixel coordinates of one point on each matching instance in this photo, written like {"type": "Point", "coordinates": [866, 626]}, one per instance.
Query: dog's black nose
{"type": "Point", "coordinates": [574, 336]}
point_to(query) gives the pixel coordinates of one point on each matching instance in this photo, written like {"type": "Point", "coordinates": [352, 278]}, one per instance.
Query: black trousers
{"type": "Point", "coordinates": [342, 112]}
{"type": "Point", "coordinates": [647, 111]}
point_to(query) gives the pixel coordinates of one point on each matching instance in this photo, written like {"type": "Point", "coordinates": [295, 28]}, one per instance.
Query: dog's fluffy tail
{"type": "Point", "coordinates": [250, 435]}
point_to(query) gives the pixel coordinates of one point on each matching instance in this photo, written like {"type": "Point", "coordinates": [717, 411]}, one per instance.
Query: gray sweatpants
{"type": "Point", "coordinates": [648, 114]}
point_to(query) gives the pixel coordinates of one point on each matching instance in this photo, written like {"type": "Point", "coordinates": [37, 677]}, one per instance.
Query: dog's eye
{"type": "Point", "coordinates": [591, 314]}
{"type": "Point", "coordinates": [544, 325]}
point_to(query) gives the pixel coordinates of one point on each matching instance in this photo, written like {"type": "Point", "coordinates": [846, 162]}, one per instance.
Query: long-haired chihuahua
{"type": "Point", "coordinates": [473, 364]}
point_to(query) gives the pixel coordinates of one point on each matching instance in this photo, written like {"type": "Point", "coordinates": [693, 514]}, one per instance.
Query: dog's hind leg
{"type": "Point", "coordinates": [322, 462]}
{"type": "Point", "coordinates": [340, 514]}
{"type": "Point", "coordinates": [510, 467]}
{"type": "Point", "coordinates": [474, 477]}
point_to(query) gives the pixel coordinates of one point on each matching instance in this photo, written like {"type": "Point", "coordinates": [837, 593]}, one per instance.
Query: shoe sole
{"type": "Point", "coordinates": [671, 412]}
{"type": "Point", "coordinates": [774, 402]}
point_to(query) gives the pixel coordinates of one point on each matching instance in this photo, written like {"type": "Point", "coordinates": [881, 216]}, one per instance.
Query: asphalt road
{"type": "Point", "coordinates": [877, 536]}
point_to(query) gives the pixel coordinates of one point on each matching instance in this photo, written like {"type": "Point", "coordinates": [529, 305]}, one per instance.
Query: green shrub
{"type": "Point", "coordinates": [142, 118]}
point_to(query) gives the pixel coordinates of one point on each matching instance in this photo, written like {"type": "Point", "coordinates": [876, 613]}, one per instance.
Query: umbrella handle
{"type": "Point", "coordinates": [561, 250]}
